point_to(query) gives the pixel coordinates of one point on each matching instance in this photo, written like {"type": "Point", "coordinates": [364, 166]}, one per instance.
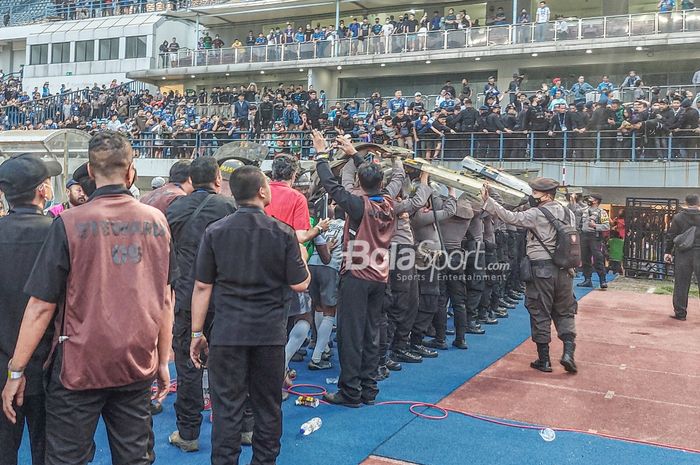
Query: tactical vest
{"type": "Point", "coordinates": [368, 246]}
{"type": "Point", "coordinates": [116, 292]}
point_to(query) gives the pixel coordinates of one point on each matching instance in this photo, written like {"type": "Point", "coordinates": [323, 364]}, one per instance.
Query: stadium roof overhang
{"type": "Point", "coordinates": [54, 143]}
{"type": "Point", "coordinates": [275, 10]}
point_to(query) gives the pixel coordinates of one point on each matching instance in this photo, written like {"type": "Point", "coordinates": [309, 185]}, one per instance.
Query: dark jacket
{"type": "Point", "coordinates": [187, 232]}
{"type": "Point", "coordinates": [466, 120]}
{"type": "Point", "coordinates": [22, 234]}
{"type": "Point", "coordinates": [683, 221]}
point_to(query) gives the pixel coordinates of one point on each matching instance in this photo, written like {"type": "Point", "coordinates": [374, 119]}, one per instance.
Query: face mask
{"type": "Point", "coordinates": [533, 201]}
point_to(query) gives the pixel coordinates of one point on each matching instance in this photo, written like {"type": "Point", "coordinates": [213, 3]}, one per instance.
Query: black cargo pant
{"type": "Point", "coordinates": [33, 413]}
{"type": "Point", "coordinates": [359, 313]}
{"type": "Point", "coordinates": [235, 371]}
{"type": "Point", "coordinates": [453, 285]}
{"type": "Point", "coordinates": [592, 251]}
{"type": "Point", "coordinates": [428, 302]}
{"type": "Point", "coordinates": [685, 264]}
{"type": "Point", "coordinates": [71, 421]}
{"type": "Point", "coordinates": [401, 306]}
{"type": "Point", "coordinates": [549, 297]}
{"type": "Point", "coordinates": [474, 274]}
{"type": "Point", "coordinates": [190, 401]}
{"type": "Point", "coordinates": [490, 279]}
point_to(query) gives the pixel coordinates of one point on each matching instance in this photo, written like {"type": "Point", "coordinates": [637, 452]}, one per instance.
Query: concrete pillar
{"type": "Point", "coordinates": [505, 72]}
{"type": "Point", "coordinates": [324, 79]}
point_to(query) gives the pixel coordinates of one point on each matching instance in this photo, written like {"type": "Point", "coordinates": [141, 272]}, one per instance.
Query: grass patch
{"type": "Point", "coordinates": [664, 289]}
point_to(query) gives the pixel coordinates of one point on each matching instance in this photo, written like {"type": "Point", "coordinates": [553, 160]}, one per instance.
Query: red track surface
{"type": "Point", "coordinates": [639, 375]}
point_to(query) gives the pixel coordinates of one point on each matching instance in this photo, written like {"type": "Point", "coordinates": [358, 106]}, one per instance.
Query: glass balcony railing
{"type": "Point", "coordinates": [644, 24]}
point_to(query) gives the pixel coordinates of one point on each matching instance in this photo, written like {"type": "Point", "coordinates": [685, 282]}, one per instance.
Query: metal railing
{"type": "Point", "coordinates": [590, 146]}
{"type": "Point", "coordinates": [554, 31]}
{"type": "Point", "coordinates": [39, 11]}
{"type": "Point", "coordinates": [600, 146]}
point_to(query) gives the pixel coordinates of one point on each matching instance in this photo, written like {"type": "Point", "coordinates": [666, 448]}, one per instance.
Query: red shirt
{"type": "Point", "coordinates": [289, 206]}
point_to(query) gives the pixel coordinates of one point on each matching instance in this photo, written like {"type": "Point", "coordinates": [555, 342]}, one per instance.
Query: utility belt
{"type": "Point", "coordinates": [590, 234]}
{"type": "Point", "coordinates": [528, 267]}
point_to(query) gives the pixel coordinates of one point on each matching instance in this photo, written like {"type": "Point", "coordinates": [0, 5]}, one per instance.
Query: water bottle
{"type": "Point", "coordinates": [205, 389]}
{"type": "Point", "coordinates": [307, 401]}
{"type": "Point", "coordinates": [310, 426]}
{"type": "Point", "coordinates": [548, 434]}
{"type": "Point", "coordinates": [331, 380]}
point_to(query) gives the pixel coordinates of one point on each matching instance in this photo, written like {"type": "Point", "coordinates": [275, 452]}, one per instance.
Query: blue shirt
{"type": "Point", "coordinates": [396, 104]}
{"type": "Point", "coordinates": [354, 29]}
{"type": "Point", "coordinates": [605, 85]}
{"type": "Point", "coordinates": [667, 5]}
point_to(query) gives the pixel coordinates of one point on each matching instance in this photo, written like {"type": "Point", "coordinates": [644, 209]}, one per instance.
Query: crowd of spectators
{"type": "Point", "coordinates": [585, 121]}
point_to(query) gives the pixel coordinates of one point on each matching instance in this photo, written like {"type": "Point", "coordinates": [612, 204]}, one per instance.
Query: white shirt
{"type": "Point", "coordinates": [388, 29]}
{"type": "Point", "coordinates": [696, 78]}
{"type": "Point", "coordinates": [542, 15]}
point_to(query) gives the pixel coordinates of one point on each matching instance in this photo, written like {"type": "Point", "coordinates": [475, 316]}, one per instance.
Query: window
{"type": "Point", "coordinates": [109, 49]}
{"type": "Point", "coordinates": [136, 47]}
{"type": "Point", "coordinates": [85, 50]}
{"type": "Point", "coordinates": [39, 54]}
{"type": "Point", "coordinates": [60, 52]}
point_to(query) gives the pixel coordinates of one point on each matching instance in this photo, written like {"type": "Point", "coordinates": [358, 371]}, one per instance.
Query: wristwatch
{"type": "Point", "coordinates": [12, 374]}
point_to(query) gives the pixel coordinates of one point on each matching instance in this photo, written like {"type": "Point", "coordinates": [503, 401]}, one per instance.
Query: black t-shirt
{"type": "Point", "coordinates": [417, 107]}
{"type": "Point", "coordinates": [187, 232]}
{"type": "Point", "coordinates": [403, 122]}
{"type": "Point", "coordinates": [22, 234]}
{"type": "Point", "coordinates": [251, 259]}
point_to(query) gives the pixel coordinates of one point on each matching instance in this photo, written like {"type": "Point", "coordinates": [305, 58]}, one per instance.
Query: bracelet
{"type": "Point", "coordinates": [197, 334]}
{"type": "Point", "coordinates": [13, 374]}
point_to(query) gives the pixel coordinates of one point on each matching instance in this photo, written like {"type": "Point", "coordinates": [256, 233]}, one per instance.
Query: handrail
{"type": "Point", "coordinates": [417, 42]}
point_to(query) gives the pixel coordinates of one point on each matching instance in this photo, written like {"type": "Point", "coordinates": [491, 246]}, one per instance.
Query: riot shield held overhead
{"type": "Point", "coordinates": [250, 153]}
{"type": "Point", "coordinates": [466, 181]}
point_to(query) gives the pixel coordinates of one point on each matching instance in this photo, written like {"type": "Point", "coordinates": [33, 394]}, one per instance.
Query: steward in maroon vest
{"type": "Point", "coordinates": [107, 263]}
{"type": "Point", "coordinates": [369, 228]}
{"type": "Point", "coordinates": [179, 184]}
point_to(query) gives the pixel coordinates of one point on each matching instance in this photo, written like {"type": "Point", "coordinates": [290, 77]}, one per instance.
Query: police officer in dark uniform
{"type": "Point", "coordinates": [594, 221]}
{"type": "Point", "coordinates": [94, 257]}
{"type": "Point", "coordinates": [453, 280]}
{"type": "Point", "coordinates": [188, 217]}
{"type": "Point", "coordinates": [26, 182]}
{"type": "Point", "coordinates": [549, 294]}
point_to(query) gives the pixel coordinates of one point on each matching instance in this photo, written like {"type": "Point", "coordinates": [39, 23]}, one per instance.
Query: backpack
{"type": "Point", "coordinates": [567, 251]}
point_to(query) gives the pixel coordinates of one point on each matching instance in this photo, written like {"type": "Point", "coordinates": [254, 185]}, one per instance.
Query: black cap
{"type": "Point", "coordinates": [23, 173]}
{"type": "Point", "coordinates": [543, 184]}
{"type": "Point", "coordinates": [596, 196]}
{"type": "Point", "coordinates": [83, 177]}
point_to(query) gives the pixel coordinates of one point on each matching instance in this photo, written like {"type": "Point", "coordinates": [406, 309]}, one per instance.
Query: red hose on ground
{"type": "Point", "coordinates": [413, 405]}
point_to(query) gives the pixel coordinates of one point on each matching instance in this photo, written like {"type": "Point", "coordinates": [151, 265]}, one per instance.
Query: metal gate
{"type": "Point", "coordinates": [646, 224]}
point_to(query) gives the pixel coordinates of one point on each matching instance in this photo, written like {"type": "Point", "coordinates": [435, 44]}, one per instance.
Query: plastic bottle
{"type": "Point", "coordinates": [331, 380]}
{"type": "Point", "coordinates": [307, 401]}
{"type": "Point", "coordinates": [548, 434]}
{"type": "Point", "coordinates": [310, 426]}
{"type": "Point", "coordinates": [205, 389]}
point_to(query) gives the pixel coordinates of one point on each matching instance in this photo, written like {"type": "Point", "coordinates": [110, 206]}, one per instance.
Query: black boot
{"type": "Point", "coordinates": [567, 359]}
{"type": "Point", "coordinates": [542, 363]}
{"type": "Point", "coordinates": [504, 304]}
{"type": "Point", "coordinates": [603, 282]}
{"type": "Point", "coordinates": [459, 342]}
{"type": "Point", "coordinates": [485, 318]}
{"type": "Point", "coordinates": [473, 328]}
{"type": "Point", "coordinates": [585, 283]}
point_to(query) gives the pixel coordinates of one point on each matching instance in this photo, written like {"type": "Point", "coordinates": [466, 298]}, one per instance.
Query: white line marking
{"type": "Point", "coordinates": [589, 391]}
